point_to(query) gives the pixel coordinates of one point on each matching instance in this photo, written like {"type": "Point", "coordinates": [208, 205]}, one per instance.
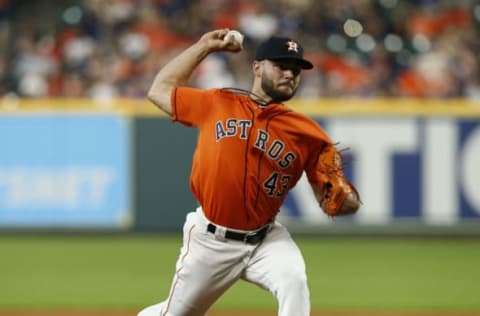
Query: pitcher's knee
{"type": "Point", "coordinates": [293, 282]}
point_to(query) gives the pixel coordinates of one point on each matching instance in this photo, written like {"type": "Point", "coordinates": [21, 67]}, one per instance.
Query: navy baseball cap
{"type": "Point", "coordinates": [282, 48]}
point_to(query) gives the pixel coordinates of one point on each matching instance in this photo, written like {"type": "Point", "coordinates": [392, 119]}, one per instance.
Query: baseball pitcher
{"type": "Point", "coordinates": [251, 151]}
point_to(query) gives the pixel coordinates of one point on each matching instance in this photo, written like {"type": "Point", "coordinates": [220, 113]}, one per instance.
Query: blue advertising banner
{"type": "Point", "coordinates": [64, 170]}
{"type": "Point", "coordinates": [425, 169]}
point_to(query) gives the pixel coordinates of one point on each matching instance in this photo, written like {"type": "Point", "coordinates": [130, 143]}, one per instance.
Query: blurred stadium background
{"type": "Point", "coordinates": [89, 169]}
{"type": "Point", "coordinates": [366, 48]}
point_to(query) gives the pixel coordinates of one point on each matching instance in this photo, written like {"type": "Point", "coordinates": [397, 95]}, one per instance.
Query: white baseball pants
{"type": "Point", "coordinates": [208, 266]}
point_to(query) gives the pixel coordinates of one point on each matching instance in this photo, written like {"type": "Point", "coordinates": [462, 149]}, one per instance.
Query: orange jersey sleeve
{"type": "Point", "coordinates": [247, 157]}
{"type": "Point", "coordinates": [199, 105]}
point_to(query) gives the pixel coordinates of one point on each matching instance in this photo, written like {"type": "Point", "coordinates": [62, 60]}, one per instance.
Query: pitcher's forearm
{"type": "Point", "coordinates": [177, 72]}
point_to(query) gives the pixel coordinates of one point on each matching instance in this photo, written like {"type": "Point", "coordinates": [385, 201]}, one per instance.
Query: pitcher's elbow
{"type": "Point", "coordinates": [152, 97]}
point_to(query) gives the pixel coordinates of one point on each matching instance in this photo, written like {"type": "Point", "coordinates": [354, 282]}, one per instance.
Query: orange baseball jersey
{"type": "Point", "coordinates": [247, 157]}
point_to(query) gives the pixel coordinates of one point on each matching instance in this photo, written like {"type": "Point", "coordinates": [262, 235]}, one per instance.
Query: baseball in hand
{"type": "Point", "coordinates": [236, 36]}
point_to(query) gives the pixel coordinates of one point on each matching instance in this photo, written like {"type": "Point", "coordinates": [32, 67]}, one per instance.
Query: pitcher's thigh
{"type": "Point", "coordinates": [279, 267]}
{"type": "Point", "coordinates": [205, 270]}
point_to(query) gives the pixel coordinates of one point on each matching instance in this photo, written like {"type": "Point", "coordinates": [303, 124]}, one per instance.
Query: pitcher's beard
{"type": "Point", "coordinates": [276, 95]}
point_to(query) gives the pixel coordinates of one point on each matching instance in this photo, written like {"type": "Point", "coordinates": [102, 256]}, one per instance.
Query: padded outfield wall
{"type": "Point", "coordinates": [76, 164]}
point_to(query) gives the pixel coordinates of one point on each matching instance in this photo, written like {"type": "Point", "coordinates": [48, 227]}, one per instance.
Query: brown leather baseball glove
{"type": "Point", "coordinates": [337, 195]}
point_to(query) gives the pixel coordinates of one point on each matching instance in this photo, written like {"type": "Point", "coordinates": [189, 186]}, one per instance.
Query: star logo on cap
{"type": "Point", "coordinates": [292, 46]}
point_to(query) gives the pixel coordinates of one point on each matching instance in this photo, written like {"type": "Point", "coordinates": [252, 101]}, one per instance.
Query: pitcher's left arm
{"type": "Point", "coordinates": [334, 193]}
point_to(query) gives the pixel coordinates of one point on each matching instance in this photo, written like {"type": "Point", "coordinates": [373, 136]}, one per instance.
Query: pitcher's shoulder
{"type": "Point", "coordinates": [307, 126]}
{"type": "Point", "coordinates": [303, 119]}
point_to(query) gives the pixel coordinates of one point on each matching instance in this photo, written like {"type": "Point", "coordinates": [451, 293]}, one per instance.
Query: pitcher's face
{"type": "Point", "coordinates": [280, 79]}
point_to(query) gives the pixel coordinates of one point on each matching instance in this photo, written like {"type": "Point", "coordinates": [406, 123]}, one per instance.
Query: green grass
{"type": "Point", "coordinates": [122, 271]}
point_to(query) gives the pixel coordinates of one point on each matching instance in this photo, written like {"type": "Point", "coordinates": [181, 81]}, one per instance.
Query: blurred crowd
{"type": "Point", "coordinates": [107, 49]}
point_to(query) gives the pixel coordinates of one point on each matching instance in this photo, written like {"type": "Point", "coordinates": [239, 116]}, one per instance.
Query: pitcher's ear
{"type": "Point", "coordinates": [257, 67]}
